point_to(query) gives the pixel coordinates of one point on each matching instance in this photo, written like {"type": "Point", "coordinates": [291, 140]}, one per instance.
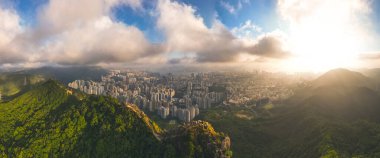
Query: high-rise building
{"type": "Point", "coordinates": [192, 112]}
{"type": "Point", "coordinates": [163, 112]}
{"type": "Point", "coordinates": [188, 101]}
{"type": "Point", "coordinates": [173, 111]}
{"type": "Point", "coordinates": [151, 106]}
{"type": "Point", "coordinates": [181, 114]}
{"type": "Point", "coordinates": [196, 110]}
{"type": "Point", "coordinates": [187, 116]}
{"type": "Point", "coordinates": [25, 82]}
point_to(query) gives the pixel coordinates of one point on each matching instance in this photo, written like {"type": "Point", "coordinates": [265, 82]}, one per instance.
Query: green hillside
{"type": "Point", "coordinates": [331, 119]}
{"type": "Point", "coordinates": [69, 74]}
{"type": "Point", "coordinates": [51, 121]}
{"type": "Point", "coordinates": [13, 83]}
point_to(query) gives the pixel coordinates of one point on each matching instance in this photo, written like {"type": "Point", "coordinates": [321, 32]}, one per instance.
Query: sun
{"type": "Point", "coordinates": [326, 35]}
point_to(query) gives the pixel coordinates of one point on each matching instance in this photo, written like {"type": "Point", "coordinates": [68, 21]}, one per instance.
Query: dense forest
{"type": "Point", "coordinates": [52, 121]}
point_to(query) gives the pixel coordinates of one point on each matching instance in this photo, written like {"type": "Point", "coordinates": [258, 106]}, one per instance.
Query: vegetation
{"type": "Point", "coordinates": [12, 84]}
{"type": "Point", "coordinates": [196, 139]}
{"type": "Point", "coordinates": [52, 121]}
{"type": "Point", "coordinates": [69, 74]}
{"type": "Point", "coordinates": [333, 119]}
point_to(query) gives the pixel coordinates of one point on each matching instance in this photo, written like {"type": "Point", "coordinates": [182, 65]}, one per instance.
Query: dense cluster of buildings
{"type": "Point", "coordinates": [182, 96]}
{"type": "Point", "coordinates": [169, 96]}
{"type": "Point", "coordinates": [243, 88]}
{"type": "Point", "coordinates": [88, 87]}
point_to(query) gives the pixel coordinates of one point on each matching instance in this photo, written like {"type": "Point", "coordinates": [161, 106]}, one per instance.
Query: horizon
{"type": "Point", "coordinates": [190, 78]}
{"type": "Point", "coordinates": [276, 35]}
{"type": "Point", "coordinates": [89, 111]}
{"type": "Point", "coordinates": [181, 70]}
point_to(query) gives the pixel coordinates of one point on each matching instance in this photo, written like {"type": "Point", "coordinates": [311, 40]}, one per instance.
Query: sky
{"type": "Point", "coordinates": [279, 35]}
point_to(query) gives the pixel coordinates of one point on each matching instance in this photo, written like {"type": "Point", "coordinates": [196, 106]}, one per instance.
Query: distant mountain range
{"type": "Point", "coordinates": [50, 120]}
{"type": "Point", "coordinates": [69, 74]}
{"type": "Point", "coordinates": [63, 74]}
{"type": "Point", "coordinates": [14, 82]}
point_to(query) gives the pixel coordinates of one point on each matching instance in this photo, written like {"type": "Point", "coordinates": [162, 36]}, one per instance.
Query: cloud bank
{"type": "Point", "coordinates": [9, 29]}
{"type": "Point", "coordinates": [85, 32]}
{"type": "Point", "coordinates": [189, 34]}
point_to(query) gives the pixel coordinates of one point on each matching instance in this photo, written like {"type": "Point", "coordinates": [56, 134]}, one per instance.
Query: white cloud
{"type": "Point", "coordinates": [188, 34]}
{"type": "Point", "coordinates": [9, 28]}
{"type": "Point", "coordinates": [246, 30]}
{"type": "Point", "coordinates": [74, 32]}
{"type": "Point", "coordinates": [101, 40]}
{"type": "Point", "coordinates": [88, 35]}
{"type": "Point", "coordinates": [231, 9]}
{"type": "Point", "coordinates": [59, 15]}
{"type": "Point", "coordinates": [69, 33]}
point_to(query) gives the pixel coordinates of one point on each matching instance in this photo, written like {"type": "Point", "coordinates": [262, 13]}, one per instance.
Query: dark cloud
{"type": "Point", "coordinates": [182, 60]}
{"type": "Point", "coordinates": [269, 46]}
{"type": "Point", "coordinates": [7, 57]}
{"type": "Point", "coordinates": [227, 56]}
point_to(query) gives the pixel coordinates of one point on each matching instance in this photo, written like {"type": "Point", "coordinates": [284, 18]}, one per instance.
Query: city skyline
{"type": "Point", "coordinates": [279, 35]}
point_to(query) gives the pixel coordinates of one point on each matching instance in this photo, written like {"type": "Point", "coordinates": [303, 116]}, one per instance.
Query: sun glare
{"type": "Point", "coordinates": [326, 36]}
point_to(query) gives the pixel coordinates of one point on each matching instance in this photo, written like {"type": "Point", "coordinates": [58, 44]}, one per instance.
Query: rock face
{"type": "Point", "coordinates": [198, 139]}
{"type": "Point", "coordinates": [226, 144]}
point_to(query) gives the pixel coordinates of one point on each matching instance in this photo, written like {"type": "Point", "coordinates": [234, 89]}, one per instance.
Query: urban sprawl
{"type": "Point", "coordinates": [182, 96]}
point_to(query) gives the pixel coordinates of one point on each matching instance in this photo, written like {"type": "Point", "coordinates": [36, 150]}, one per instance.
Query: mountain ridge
{"type": "Point", "coordinates": [337, 104]}
{"type": "Point", "coordinates": [51, 120]}
{"type": "Point", "coordinates": [343, 77]}
{"type": "Point", "coordinates": [331, 120]}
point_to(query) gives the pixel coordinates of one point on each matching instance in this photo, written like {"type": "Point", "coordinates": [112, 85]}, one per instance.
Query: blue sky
{"type": "Point", "coordinates": [264, 33]}
{"type": "Point", "coordinates": [260, 12]}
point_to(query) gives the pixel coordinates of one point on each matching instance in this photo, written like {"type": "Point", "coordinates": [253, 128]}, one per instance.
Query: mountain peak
{"type": "Point", "coordinates": [343, 78]}
{"type": "Point", "coordinates": [51, 82]}
{"type": "Point", "coordinates": [340, 71]}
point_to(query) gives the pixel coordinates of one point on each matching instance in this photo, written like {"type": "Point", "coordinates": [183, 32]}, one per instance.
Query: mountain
{"type": "Point", "coordinates": [373, 74]}
{"type": "Point", "coordinates": [69, 74]}
{"type": "Point", "coordinates": [344, 78]}
{"type": "Point", "coordinates": [337, 116]}
{"type": "Point", "coordinates": [14, 83]}
{"type": "Point", "coordinates": [342, 93]}
{"type": "Point", "coordinates": [52, 121]}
